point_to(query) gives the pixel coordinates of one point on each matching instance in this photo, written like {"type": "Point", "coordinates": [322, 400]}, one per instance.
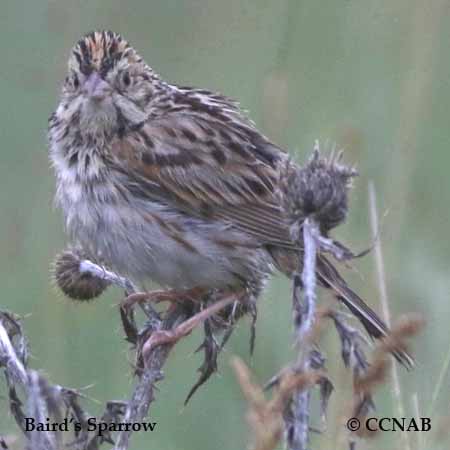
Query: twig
{"type": "Point", "coordinates": [95, 270]}
{"type": "Point", "coordinates": [154, 359]}
{"type": "Point", "coordinates": [310, 233]}
{"type": "Point", "coordinates": [38, 409]}
{"type": "Point", "coordinates": [265, 417]}
{"type": "Point", "coordinates": [314, 201]}
{"type": "Point", "coordinates": [143, 394]}
{"type": "Point", "coordinates": [29, 382]}
{"type": "Point", "coordinates": [297, 417]}
{"type": "Point", "coordinates": [14, 367]}
{"type": "Point", "coordinates": [47, 401]}
{"type": "Point", "coordinates": [381, 283]}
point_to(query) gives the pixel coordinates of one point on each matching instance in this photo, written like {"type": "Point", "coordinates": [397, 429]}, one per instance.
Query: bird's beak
{"type": "Point", "coordinates": [95, 87]}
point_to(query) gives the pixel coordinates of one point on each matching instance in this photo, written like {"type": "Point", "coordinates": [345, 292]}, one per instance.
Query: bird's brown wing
{"type": "Point", "coordinates": [214, 169]}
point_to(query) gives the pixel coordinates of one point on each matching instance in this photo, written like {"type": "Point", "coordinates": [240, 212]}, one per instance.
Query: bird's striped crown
{"type": "Point", "coordinates": [101, 51]}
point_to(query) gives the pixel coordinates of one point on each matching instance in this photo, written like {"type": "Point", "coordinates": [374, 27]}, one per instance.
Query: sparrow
{"type": "Point", "coordinates": [173, 184]}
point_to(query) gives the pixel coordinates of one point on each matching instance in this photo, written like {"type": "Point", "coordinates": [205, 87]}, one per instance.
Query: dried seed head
{"type": "Point", "coordinates": [406, 327]}
{"type": "Point", "coordinates": [74, 283]}
{"type": "Point", "coordinates": [318, 190]}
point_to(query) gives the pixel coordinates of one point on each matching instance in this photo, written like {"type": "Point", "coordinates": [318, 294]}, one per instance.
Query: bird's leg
{"type": "Point", "coordinates": [144, 299]}
{"type": "Point", "coordinates": [170, 337]}
{"type": "Point", "coordinates": [168, 295]}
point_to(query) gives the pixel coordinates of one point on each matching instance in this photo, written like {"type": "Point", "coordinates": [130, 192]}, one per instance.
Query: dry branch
{"type": "Point", "coordinates": [31, 396]}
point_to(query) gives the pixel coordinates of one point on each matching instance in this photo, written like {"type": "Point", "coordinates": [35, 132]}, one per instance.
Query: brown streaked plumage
{"type": "Point", "coordinates": [171, 184]}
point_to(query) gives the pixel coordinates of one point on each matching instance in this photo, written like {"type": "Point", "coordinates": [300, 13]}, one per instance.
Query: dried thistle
{"type": "Point", "coordinates": [75, 283]}
{"type": "Point", "coordinates": [318, 190]}
{"type": "Point", "coordinates": [265, 417]}
{"type": "Point", "coordinates": [315, 199]}
{"type": "Point", "coordinates": [406, 327]}
{"type": "Point", "coordinates": [368, 378]}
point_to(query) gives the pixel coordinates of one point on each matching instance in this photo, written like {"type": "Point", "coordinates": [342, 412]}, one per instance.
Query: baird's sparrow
{"type": "Point", "coordinates": [171, 184]}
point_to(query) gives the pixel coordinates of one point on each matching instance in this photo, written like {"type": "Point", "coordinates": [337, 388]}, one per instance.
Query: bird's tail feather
{"type": "Point", "coordinates": [330, 277]}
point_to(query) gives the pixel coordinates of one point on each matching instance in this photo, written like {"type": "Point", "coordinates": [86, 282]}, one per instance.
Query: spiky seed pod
{"type": "Point", "coordinates": [75, 284]}
{"type": "Point", "coordinates": [318, 190]}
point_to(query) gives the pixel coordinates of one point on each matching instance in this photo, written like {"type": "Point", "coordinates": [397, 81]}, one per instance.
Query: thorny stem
{"type": "Point", "coordinates": [95, 270]}
{"type": "Point", "coordinates": [156, 357]}
{"type": "Point", "coordinates": [304, 314]}
{"type": "Point", "coordinates": [15, 372]}
{"type": "Point", "coordinates": [143, 394]}
{"type": "Point", "coordinates": [14, 367]}
{"type": "Point", "coordinates": [41, 399]}
{"type": "Point", "coordinates": [310, 231]}
{"type": "Point", "coordinates": [37, 408]}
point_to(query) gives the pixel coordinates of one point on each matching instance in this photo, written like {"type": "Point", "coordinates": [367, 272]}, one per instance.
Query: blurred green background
{"type": "Point", "coordinates": [373, 77]}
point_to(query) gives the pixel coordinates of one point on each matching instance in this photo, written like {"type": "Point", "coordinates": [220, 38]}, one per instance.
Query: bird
{"type": "Point", "coordinates": [173, 184]}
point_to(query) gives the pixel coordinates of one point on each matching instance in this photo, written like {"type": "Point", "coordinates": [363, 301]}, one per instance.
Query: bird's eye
{"type": "Point", "coordinates": [126, 79]}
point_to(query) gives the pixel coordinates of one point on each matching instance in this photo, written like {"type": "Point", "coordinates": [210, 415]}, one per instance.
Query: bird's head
{"type": "Point", "coordinates": [108, 85]}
